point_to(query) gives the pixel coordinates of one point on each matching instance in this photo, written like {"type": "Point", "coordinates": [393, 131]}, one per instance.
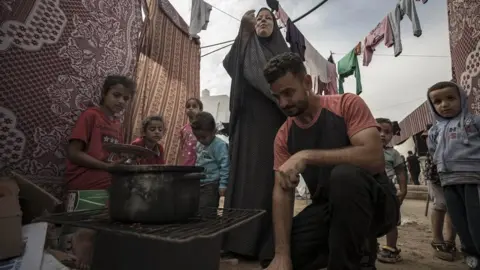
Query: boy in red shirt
{"type": "Point", "coordinates": [87, 164]}
{"type": "Point", "coordinates": [153, 128]}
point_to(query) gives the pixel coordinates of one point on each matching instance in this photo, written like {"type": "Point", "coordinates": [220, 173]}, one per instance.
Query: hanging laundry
{"type": "Point", "coordinates": [199, 17]}
{"type": "Point", "coordinates": [331, 87]}
{"type": "Point", "coordinates": [273, 4]}
{"type": "Point", "coordinates": [347, 66]}
{"type": "Point", "coordinates": [383, 31]}
{"type": "Point", "coordinates": [316, 64]}
{"type": "Point", "coordinates": [358, 48]}
{"type": "Point", "coordinates": [282, 15]}
{"type": "Point", "coordinates": [395, 17]}
{"type": "Point", "coordinates": [296, 39]}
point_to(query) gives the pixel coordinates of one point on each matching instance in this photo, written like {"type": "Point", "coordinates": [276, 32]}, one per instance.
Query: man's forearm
{"type": "Point", "coordinates": [282, 218]}
{"type": "Point", "coordinates": [364, 157]}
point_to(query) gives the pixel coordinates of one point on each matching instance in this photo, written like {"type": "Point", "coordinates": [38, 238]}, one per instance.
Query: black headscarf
{"type": "Point", "coordinates": [245, 62]}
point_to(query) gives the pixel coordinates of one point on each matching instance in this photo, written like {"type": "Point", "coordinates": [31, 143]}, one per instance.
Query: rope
{"type": "Point", "coordinates": [296, 20]}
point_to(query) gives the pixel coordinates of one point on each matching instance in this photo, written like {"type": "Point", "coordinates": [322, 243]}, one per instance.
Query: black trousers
{"type": "Point", "coordinates": [339, 229]}
{"type": "Point", "coordinates": [463, 204]}
{"type": "Point", "coordinates": [415, 175]}
{"type": "Point", "coordinates": [209, 195]}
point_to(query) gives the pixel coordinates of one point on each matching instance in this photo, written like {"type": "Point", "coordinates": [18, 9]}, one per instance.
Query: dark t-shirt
{"type": "Point", "coordinates": [94, 128]}
{"type": "Point", "coordinates": [296, 39]}
{"type": "Point", "coordinates": [413, 164]}
{"type": "Point", "coordinates": [350, 107]}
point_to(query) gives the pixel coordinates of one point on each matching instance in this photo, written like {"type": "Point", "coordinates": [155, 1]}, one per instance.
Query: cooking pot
{"type": "Point", "coordinates": [154, 193]}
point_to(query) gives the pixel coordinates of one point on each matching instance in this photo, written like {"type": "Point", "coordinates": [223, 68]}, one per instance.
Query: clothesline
{"type": "Point", "coordinates": [400, 104]}
{"type": "Point", "coordinates": [405, 55]}
{"type": "Point", "coordinates": [295, 20]}
{"type": "Point", "coordinates": [231, 16]}
{"type": "Point", "coordinates": [221, 48]}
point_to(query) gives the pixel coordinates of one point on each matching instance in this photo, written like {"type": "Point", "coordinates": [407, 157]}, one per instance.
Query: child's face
{"type": "Point", "coordinates": [192, 108]}
{"type": "Point", "coordinates": [116, 99]}
{"type": "Point", "coordinates": [446, 101]}
{"type": "Point", "coordinates": [386, 133]}
{"type": "Point", "coordinates": [204, 137]}
{"type": "Point", "coordinates": [154, 131]}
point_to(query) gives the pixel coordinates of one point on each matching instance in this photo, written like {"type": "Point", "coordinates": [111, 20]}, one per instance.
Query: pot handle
{"type": "Point", "coordinates": [194, 176]}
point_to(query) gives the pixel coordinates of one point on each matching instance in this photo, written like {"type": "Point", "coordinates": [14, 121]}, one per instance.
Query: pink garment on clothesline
{"type": "Point", "coordinates": [331, 87]}
{"type": "Point", "coordinates": [383, 31]}
{"type": "Point", "coordinates": [282, 15]}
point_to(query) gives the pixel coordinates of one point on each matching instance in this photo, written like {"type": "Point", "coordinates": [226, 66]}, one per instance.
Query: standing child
{"type": "Point", "coordinates": [394, 166]}
{"type": "Point", "coordinates": [87, 164]}
{"type": "Point", "coordinates": [454, 142]}
{"type": "Point", "coordinates": [153, 128]}
{"type": "Point", "coordinates": [212, 154]}
{"type": "Point", "coordinates": [443, 245]}
{"type": "Point", "coordinates": [187, 139]}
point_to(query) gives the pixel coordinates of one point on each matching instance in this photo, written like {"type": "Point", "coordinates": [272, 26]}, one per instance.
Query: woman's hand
{"type": "Point", "coordinates": [249, 21]}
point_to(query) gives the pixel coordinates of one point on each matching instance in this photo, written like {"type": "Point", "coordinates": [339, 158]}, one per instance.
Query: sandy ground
{"type": "Point", "coordinates": [414, 241]}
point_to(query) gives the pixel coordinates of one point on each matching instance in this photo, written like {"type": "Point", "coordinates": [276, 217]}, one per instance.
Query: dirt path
{"type": "Point", "coordinates": [414, 241]}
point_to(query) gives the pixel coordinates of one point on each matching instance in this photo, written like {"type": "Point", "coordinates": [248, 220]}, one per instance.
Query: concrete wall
{"type": "Point", "coordinates": [218, 106]}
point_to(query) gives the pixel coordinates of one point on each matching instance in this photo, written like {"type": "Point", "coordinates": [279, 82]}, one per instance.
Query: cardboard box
{"type": "Point", "coordinates": [11, 244]}
{"type": "Point", "coordinates": [34, 200]}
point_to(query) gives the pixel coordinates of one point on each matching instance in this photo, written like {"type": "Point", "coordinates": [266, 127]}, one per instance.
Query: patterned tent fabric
{"type": "Point", "coordinates": [168, 73]}
{"type": "Point", "coordinates": [55, 55]}
{"type": "Point", "coordinates": [464, 28]}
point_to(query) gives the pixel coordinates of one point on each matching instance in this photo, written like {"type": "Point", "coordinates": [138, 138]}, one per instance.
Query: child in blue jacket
{"type": "Point", "coordinates": [454, 143]}
{"type": "Point", "coordinates": [212, 155]}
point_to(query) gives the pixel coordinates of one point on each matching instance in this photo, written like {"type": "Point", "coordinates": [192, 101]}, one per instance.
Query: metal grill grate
{"type": "Point", "coordinates": [210, 223]}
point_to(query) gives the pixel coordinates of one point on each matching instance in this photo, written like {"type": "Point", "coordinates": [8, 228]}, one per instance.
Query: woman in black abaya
{"type": "Point", "coordinates": [254, 120]}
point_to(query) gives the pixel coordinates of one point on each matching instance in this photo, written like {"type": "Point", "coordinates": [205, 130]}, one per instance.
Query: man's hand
{"type": "Point", "coordinates": [280, 262]}
{"type": "Point", "coordinates": [401, 196]}
{"type": "Point", "coordinates": [249, 21]}
{"type": "Point", "coordinates": [221, 192]}
{"type": "Point", "coordinates": [290, 171]}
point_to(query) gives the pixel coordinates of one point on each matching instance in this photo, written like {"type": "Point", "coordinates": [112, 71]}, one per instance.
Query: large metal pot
{"type": "Point", "coordinates": [154, 193]}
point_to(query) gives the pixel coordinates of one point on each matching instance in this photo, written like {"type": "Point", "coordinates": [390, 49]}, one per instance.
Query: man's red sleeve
{"type": "Point", "coordinates": [357, 115]}
{"type": "Point", "coordinates": [280, 148]}
{"type": "Point", "coordinates": [83, 127]}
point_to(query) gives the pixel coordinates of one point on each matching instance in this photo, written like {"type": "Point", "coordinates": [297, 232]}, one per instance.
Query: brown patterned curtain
{"type": "Point", "coordinates": [55, 56]}
{"type": "Point", "coordinates": [168, 73]}
{"type": "Point", "coordinates": [464, 27]}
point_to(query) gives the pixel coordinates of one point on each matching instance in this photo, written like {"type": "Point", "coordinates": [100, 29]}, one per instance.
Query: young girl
{"type": "Point", "coordinates": [87, 163]}
{"type": "Point", "coordinates": [187, 139]}
{"type": "Point", "coordinates": [153, 128]}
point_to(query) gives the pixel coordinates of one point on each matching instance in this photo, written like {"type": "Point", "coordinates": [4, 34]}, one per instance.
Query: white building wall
{"type": "Point", "coordinates": [217, 105]}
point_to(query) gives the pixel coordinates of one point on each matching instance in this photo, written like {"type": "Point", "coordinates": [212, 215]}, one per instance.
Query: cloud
{"type": "Point", "coordinates": [393, 87]}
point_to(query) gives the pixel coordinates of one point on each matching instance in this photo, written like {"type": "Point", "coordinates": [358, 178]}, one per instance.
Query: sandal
{"type": "Point", "coordinates": [442, 252]}
{"type": "Point", "coordinates": [389, 255]}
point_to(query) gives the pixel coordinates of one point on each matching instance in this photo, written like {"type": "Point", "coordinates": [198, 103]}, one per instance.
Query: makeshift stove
{"type": "Point", "coordinates": [193, 244]}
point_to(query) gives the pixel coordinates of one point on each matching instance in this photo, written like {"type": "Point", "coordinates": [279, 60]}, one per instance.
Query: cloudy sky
{"type": "Point", "coordinates": [392, 87]}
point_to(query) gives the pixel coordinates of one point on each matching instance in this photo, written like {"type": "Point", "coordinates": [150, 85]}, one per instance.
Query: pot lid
{"type": "Point", "coordinates": [155, 168]}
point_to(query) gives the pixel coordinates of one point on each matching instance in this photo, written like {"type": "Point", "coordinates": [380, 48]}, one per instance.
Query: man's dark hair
{"type": "Point", "coordinates": [441, 85]}
{"type": "Point", "coordinates": [198, 101]}
{"type": "Point", "coordinates": [282, 64]}
{"type": "Point", "coordinates": [149, 120]}
{"type": "Point", "coordinates": [204, 121]}
{"type": "Point", "coordinates": [384, 121]}
{"type": "Point", "coordinates": [113, 80]}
